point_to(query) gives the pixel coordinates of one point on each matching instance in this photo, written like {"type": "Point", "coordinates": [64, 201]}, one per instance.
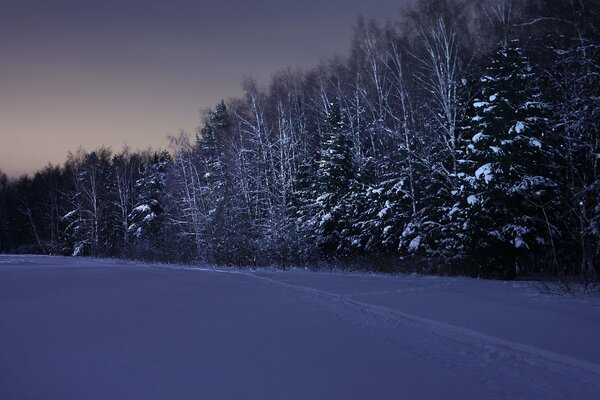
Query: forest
{"type": "Point", "coordinates": [460, 137]}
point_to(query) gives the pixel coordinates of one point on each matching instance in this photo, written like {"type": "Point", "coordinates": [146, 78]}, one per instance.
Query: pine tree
{"type": "Point", "coordinates": [215, 190]}
{"type": "Point", "coordinates": [325, 218]}
{"type": "Point", "coordinates": [301, 207]}
{"type": "Point", "coordinates": [209, 148]}
{"type": "Point", "coordinates": [147, 217]}
{"type": "Point", "coordinates": [335, 166]}
{"type": "Point", "coordinates": [507, 181]}
{"type": "Point", "coordinates": [387, 211]}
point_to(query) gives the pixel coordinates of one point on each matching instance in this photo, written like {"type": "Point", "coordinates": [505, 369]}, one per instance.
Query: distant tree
{"type": "Point", "coordinates": [87, 220]}
{"type": "Point", "coordinates": [4, 213]}
{"type": "Point", "coordinates": [413, 152]}
{"type": "Point", "coordinates": [326, 216]}
{"type": "Point", "coordinates": [125, 171]}
{"type": "Point", "coordinates": [214, 185]}
{"type": "Point", "coordinates": [148, 216]}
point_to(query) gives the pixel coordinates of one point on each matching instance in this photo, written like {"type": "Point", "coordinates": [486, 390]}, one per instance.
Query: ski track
{"type": "Point", "coordinates": [503, 367]}
{"type": "Point", "coordinates": [506, 369]}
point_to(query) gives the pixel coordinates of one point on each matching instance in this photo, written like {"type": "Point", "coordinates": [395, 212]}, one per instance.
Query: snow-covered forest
{"type": "Point", "coordinates": [462, 137]}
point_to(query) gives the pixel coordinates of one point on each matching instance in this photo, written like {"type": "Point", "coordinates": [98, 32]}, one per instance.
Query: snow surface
{"type": "Point", "coordinates": [477, 137]}
{"type": "Point", "coordinates": [414, 244]}
{"type": "Point", "coordinates": [535, 143]}
{"type": "Point", "coordinates": [78, 328]}
{"type": "Point", "coordinates": [486, 171]}
{"type": "Point", "coordinates": [142, 208]}
{"type": "Point", "coordinates": [472, 200]}
{"type": "Point", "coordinates": [519, 127]}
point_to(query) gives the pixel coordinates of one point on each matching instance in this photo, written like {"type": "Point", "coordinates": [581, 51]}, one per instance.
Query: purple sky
{"type": "Point", "coordinates": [89, 73]}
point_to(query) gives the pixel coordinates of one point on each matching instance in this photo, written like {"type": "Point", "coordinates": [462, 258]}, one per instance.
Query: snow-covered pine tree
{"type": "Point", "coordinates": [387, 209]}
{"type": "Point", "coordinates": [325, 219]}
{"type": "Point", "coordinates": [507, 189]}
{"type": "Point", "coordinates": [430, 234]}
{"type": "Point", "coordinates": [209, 149]}
{"type": "Point", "coordinates": [302, 206]}
{"type": "Point", "coordinates": [335, 165]}
{"type": "Point", "coordinates": [147, 217]}
{"type": "Point", "coordinates": [215, 190]}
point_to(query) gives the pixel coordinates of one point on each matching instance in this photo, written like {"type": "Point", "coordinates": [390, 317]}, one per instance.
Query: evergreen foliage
{"type": "Point", "coordinates": [147, 217]}
{"type": "Point", "coordinates": [507, 179]}
{"type": "Point", "coordinates": [428, 149]}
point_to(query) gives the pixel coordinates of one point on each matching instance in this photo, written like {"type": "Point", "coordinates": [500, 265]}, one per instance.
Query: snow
{"type": "Point", "coordinates": [414, 244]}
{"type": "Point", "coordinates": [527, 183]}
{"type": "Point", "coordinates": [519, 243]}
{"type": "Point", "coordinates": [326, 218]}
{"type": "Point", "coordinates": [486, 171]}
{"type": "Point", "coordinates": [454, 210]}
{"type": "Point", "coordinates": [519, 127]}
{"type": "Point", "coordinates": [477, 137]}
{"type": "Point", "coordinates": [76, 328]}
{"type": "Point", "coordinates": [516, 232]}
{"type": "Point", "coordinates": [383, 212]}
{"type": "Point", "coordinates": [472, 199]}
{"type": "Point", "coordinates": [142, 208]}
{"type": "Point", "coordinates": [535, 143]}
{"type": "Point", "coordinates": [150, 217]}
{"type": "Point", "coordinates": [69, 214]}
{"type": "Point", "coordinates": [77, 249]}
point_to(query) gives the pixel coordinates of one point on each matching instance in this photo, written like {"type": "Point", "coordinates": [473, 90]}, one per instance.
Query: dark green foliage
{"type": "Point", "coordinates": [148, 217]}
{"type": "Point", "coordinates": [507, 175]}
{"type": "Point", "coordinates": [325, 215]}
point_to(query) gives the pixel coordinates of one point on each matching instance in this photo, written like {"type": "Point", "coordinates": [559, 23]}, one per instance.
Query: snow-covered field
{"type": "Point", "coordinates": [73, 328]}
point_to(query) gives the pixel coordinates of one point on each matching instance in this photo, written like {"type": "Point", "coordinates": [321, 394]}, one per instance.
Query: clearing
{"type": "Point", "coordinates": [79, 328]}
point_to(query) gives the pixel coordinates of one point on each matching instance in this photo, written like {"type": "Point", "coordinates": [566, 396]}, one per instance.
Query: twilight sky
{"type": "Point", "coordinates": [113, 72]}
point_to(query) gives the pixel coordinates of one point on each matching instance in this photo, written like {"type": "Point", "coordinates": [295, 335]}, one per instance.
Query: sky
{"type": "Point", "coordinates": [91, 73]}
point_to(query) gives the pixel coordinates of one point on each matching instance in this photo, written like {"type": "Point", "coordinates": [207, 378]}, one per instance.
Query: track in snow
{"type": "Point", "coordinates": [84, 328]}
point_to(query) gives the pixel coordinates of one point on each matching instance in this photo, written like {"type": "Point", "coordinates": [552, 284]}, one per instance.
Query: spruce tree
{"type": "Point", "coordinates": [215, 190]}
{"type": "Point", "coordinates": [507, 183]}
{"type": "Point", "coordinates": [335, 166]}
{"type": "Point", "coordinates": [387, 212]}
{"type": "Point", "coordinates": [147, 217]}
{"type": "Point", "coordinates": [325, 219]}
{"type": "Point", "coordinates": [209, 149]}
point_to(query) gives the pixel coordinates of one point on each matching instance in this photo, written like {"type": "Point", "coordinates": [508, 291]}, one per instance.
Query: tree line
{"type": "Point", "coordinates": [461, 137]}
